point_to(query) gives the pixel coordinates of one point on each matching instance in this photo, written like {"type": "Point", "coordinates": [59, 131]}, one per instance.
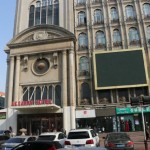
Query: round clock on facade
{"type": "Point", "coordinates": [41, 66]}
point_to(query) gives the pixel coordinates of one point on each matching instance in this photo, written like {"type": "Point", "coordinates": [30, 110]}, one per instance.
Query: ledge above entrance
{"type": "Point", "coordinates": [37, 107]}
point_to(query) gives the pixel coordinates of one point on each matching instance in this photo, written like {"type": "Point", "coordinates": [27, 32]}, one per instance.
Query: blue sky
{"type": "Point", "coordinates": [7, 15]}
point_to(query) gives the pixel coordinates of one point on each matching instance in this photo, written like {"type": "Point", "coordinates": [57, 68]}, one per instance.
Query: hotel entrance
{"type": "Point", "coordinates": [38, 123]}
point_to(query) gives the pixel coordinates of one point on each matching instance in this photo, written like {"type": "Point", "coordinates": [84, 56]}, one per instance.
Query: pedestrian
{"type": "Point", "coordinates": [147, 132]}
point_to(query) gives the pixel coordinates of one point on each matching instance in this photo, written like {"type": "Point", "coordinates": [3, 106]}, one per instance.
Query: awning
{"type": "Point", "coordinates": [37, 107]}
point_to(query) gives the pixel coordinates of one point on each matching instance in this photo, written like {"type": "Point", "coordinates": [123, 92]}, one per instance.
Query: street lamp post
{"type": "Point", "coordinates": [143, 119]}
{"type": "Point", "coordinates": [136, 101]}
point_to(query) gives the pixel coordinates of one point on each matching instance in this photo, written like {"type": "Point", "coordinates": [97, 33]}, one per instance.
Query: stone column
{"type": "Point", "coordinates": [10, 82]}
{"type": "Point", "coordinates": [17, 73]}
{"type": "Point", "coordinates": [7, 82]}
{"type": "Point", "coordinates": [72, 88]}
{"type": "Point", "coordinates": [64, 89]}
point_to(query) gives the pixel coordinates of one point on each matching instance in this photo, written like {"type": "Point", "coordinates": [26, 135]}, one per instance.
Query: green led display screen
{"type": "Point", "coordinates": [121, 68]}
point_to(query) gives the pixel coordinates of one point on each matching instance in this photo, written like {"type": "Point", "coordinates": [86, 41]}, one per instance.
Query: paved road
{"type": "Point", "coordinates": [137, 137]}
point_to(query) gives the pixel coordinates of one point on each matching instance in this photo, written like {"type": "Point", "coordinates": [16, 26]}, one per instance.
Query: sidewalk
{"type": "Point", "coordinates": [137, 137]}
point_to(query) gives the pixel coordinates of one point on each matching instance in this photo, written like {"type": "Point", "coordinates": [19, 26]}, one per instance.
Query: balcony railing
{"type": "Point", "coordinates": [81, 24]}
{"type": "Point", "coordinates": [81, 4]}
{"type": "Point", "coordinates": [83, 47]}
{"type": "Point", "coordinates": [128, 19]}
{"type": "Point", "coordinates": [98, 22]}
{"type": "Point", "coordinates": [117, 44]}
{"type": "Point", "coordinates": [135, 42]}
{"type": "Point", "coordinates": [96, 1]}
{"type": "Point", "coordinates": [115, 20]}
{"type": "Point", "coordinates": [100, 46]}
{"type": "Point", "coordinates": [84, 73]}
{"type": "Point", "coordinates": [147, 16]}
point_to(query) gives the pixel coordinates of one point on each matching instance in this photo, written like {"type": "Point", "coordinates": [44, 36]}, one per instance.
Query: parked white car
{"type": "Point", "coordinates": [14, 141]}
{"type": "Point", "coordinates": [82, 138]}
{"type": "Point", "coordinates": [52, 136]}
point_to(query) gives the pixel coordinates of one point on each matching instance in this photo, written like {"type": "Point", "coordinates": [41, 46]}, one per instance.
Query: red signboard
{"type": "Point", "coordinates": [32, 102]}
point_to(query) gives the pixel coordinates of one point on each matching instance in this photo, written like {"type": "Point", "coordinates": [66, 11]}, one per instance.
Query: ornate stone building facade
{"type": "Point", "coordinates": [51, 78]}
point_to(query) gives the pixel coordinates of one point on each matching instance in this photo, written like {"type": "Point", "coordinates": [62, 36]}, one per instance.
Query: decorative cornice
{"type": "Point", "coordinates": [41, 34]}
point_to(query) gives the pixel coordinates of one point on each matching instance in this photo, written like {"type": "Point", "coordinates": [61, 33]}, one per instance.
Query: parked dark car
{"type": "Point", "coordinates": [3, 139]}
{"type": "Point", "coordinates": [5, 132]}
{"type": "Point", "coordinates": [118, 141]}
{"type": "Point", "coordinates": [38, 145]}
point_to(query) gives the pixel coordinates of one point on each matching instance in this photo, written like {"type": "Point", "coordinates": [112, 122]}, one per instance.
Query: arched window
{"type": "Point", "coordinates": [114, 13]}
{"type": "Point", "coordinates": [25, 94]}
{"type": "Point", "coordinates": [81, 18]}
{"type": "Point", "coordinates": [44, 92]}
{"type": "Point", "coordinates": [31, 15]}
{"type": "Point", "coordinates": [100, 38]}
{"type": "Point", "coordinates": [85, 91]}
{"type": "Point", "coordinates": [133, 34]}
{"type": "Point", "coordinates": [146, 9]}
{"type": "Point", "coordinates": [84, 64]}
{"type": "Point", "coordinates": [83, 42]}
{"type": "Point", "coordinates": [116, 36]}
{"type": "Point", "coordinates": [44, 12]}
{"type": "Point", "coordinates": [38, 93]}
{"type": "Point", "coordinates": [148, 32]}
{"type": "Point", "coordinates": [129, 11]}
{"type": "Point", "coordinates": [98, 16]}
{"type": "Point", "coordinates": [31, 93]}
{"type": "Point", "coordinates": [58, 95]}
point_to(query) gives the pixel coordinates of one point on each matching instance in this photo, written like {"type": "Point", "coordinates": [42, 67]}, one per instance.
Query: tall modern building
{"type": "Point", "coordinates": [77, 63]}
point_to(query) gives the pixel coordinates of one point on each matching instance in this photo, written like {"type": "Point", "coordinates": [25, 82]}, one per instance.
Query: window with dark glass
{"type": "Point", "coordinates": [81, 18]}
{"type": "Point", "coordinates": [84, 63]}
{"type": "Point", "coordinates": [56, 13]}
{"type": "Point", "coordinates": [44, 92]}
{"type": "Point", "coordinates": [85, 91]}
{"type": "Point", "coordinates": [31, 93]}
{"type": "Point", "coordinates": [58, 95]}
{"type": "Point", "coordinates": [148, 34]}
{"type": "Point", "coordinates": [37, 13]}
{"type": "Point", "coordinates": [44, 12]}
{"type": "Point", "coordinates": [100, 38]}
{"type": "Point", "coordinates": [50, 95]}
{"type": "Point", "coordinates": [83, 42]}
{"type": "Point", "coordinates": [31, 15]}
{"type": "Point", "coordinates": [43, 15]}
{"type": "Point", "coordinates": [25, 94]}
{"type": "Point", "coordinates": [38, 93]}
{"type": "Point", "coordinates": [98, 16]}
{"type": "Point", "coordinates": [116, 36]}
{"type": "Point", "coordinates": [114, 13]}
{"type": "Point", "coordinates": [130, 11]}
{"type": "Point", "coordinates": [146, 9]}
{"type": "Point", "coordinates": [133, 34]}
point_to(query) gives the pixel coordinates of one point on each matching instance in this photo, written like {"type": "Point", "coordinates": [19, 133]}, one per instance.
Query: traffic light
{"type": "Point", "coordinates": [146, 100]}
{"type": "Point", "coordinates": [135, 101]}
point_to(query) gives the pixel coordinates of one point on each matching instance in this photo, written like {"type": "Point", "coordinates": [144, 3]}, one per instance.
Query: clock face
{"type": "Point", "coordinates": [41, 66]}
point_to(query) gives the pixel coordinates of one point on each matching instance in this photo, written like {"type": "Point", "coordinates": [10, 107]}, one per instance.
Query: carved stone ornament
{"type": "Point", "coordinates": [41, 35]}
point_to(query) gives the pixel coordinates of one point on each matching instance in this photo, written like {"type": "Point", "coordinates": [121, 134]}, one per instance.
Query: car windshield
{"type": "Point", "coordinates": [78, 135]}
{"type": "Point", "coordinates": [117, 136]}
{"type": "Point", "coordinates": [46, 137]}
{"type": "Point", "coordinates": [15, 140]}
